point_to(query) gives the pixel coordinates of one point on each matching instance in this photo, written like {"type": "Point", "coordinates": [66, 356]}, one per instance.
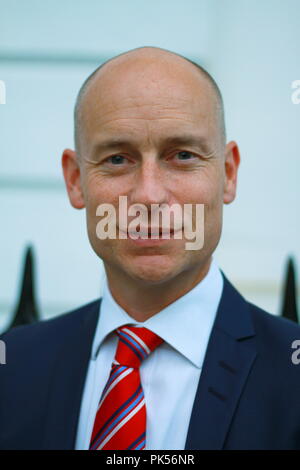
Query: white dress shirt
{"type": "Point", "coordinates": [170, 374]}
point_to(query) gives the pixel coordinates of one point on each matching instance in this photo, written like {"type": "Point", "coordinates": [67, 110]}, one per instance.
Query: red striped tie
{"type": "Point", "coordinates": [120, 421]}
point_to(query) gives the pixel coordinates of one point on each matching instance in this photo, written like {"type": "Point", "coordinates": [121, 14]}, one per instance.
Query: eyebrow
{"type": "Point", "coordinates": [186, 139]}
{"type": "Point", "coordinates": [113, 142]}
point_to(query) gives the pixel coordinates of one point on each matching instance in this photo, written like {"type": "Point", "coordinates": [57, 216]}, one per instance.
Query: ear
{"type": "Point", "coordinates": [71, 170]}
{"type": "Point", "coordinates": [232, 161]}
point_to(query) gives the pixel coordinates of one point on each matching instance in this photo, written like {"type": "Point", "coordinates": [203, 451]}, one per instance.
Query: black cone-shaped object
{"type": "Point", "coordinates": [26, 310]}
{"type": "Point", "coordinates": [289, 302]}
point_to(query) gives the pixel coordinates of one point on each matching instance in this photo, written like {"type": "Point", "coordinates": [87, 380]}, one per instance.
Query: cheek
{"type": "Point", "coordinates": [213, 189]}
{"type": "Point", "coordinates": [202, 190]}
{"type": "Point", "coordinates": [103, 189]}
{"type": "Point", "coordinates": [97, 191]}
{"type": "Point", "coordinates": [207, 191]}
{"type": "Point", "coordinates": [94, 196]}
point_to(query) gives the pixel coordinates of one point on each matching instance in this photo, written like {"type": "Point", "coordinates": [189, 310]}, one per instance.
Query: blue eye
{"type": "Point", "coordinates": [116, 159]}
{"type": "Point", "coordinates": [184, 155]}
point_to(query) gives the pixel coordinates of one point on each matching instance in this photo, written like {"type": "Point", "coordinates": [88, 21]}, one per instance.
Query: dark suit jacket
{"type": "Point", "coordinates": [248, 395]}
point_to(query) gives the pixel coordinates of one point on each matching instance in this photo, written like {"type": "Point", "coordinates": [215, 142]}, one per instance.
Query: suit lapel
{"type": "Point", "coordinates": [229, 357]}
{"type": "Point", "coordinates": [67, 383]}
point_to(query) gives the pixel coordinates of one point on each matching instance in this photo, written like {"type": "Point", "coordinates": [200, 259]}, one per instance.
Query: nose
{"type": "Point", "coordinates": [150, 184]}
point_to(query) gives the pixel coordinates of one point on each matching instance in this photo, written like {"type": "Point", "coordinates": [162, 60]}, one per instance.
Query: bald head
{"type": "Point", "coordinates": [133, 65]}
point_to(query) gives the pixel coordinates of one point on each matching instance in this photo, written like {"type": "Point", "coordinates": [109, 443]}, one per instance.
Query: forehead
{"type": "Point", "coordinates": [152, 95]}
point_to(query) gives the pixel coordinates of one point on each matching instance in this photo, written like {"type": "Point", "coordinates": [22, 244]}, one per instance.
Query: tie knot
{"type": "Point", "coordinates": [135, 344]}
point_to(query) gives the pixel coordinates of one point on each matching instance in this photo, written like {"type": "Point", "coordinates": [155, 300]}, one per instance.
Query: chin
{"type": "Point", "coordinates": [153, 272]}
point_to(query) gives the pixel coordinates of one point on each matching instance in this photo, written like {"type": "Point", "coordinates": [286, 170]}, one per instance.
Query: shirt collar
{"type": "Point", "coordinates": [185, 324]}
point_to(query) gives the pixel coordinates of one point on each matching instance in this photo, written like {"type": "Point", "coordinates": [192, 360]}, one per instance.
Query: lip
{"type": "Point", "coordinates": [152, 241]}
{"type": "Point", "coordinates": [154, 232]}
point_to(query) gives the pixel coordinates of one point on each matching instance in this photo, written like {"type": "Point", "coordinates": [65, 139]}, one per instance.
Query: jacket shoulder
{"type": "Point", "coordinates": [58, 328]}
{"type": "Point", "coordinates": [277, 341]}
{"type": "Point", "coordinates": [269, 323]}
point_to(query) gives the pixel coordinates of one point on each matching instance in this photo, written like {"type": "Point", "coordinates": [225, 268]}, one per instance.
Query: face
{"type": "Point", "coordinates": [151, 135]}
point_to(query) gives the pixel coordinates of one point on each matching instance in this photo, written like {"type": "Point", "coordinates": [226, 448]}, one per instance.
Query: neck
{"type": "Point", "coordinates": [142, 300]}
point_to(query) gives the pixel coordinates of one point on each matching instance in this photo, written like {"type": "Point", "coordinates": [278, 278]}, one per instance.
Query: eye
{"type": "Point", "coordinates": [184, 155]}
{"type": "Point", "coordinates": [116, 159]}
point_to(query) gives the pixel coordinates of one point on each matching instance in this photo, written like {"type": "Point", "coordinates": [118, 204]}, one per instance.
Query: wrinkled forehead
{"type": "Point", "coordinates": [159, 93]}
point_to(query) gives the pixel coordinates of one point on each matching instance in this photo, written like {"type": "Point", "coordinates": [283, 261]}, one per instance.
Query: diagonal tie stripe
{"type": "Point", "coordinates": [111, 384]}
{"type": "Point", "coordinates": [139, 442]}
{"type": "Point", "coordinates": [120, 412]}
{"type": "Point", "coordinates": [120, 421]}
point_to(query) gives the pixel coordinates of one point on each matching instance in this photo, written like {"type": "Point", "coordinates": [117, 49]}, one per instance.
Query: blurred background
{"type": "Point", "coordinates": [49, 47]}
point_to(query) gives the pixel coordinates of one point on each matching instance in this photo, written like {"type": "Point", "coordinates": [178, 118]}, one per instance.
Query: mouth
{"type": "Point", "coordinates": [145, 237]}
{"type": "Point", "coordinates": [151, 233]}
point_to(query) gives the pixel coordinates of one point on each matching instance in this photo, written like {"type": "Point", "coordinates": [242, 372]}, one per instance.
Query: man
{"type": "Point", "coordinates": [171, 356]}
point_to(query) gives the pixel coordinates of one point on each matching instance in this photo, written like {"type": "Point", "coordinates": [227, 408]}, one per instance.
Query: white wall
{"type": "Point", "coordinates": [48, 48]}
{"type": "Point", "coordinates": [256, 58]}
